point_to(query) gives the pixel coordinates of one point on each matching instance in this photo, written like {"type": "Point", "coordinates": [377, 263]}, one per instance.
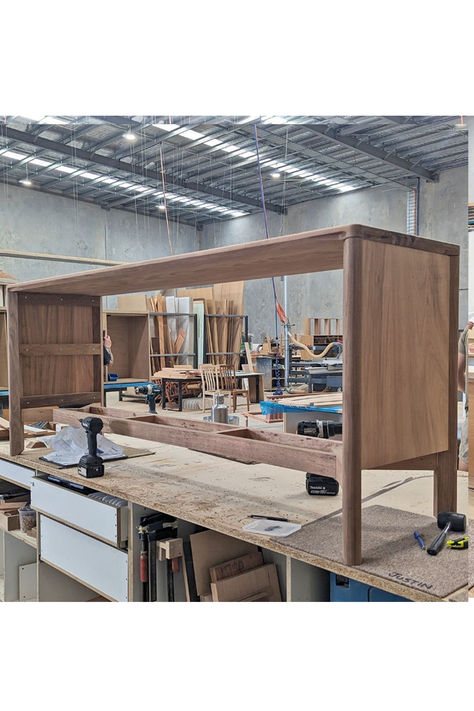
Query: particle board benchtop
{"type": "Point", "coordinates": [220, 494]}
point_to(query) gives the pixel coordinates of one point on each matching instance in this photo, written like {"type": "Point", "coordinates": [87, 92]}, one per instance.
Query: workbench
{"type": "Point", "coordinates": [121, 384]}
{"type": "Point", "coordinates": [202, 490]}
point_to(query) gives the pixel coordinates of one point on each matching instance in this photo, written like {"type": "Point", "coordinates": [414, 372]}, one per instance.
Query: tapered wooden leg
{"type": "Point", "coordinates": [351, 509]}
{"type": "Point", "coordinates": [351, 415]}
{"type": "Point", "coordinates": [445, 482]}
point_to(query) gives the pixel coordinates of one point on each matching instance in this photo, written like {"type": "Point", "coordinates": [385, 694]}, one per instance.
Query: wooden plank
{"type": "Point", "coordinates": [58, 399]}
{"type": "Point", "coordinates": [3, 350]}
{"type": "Point", "coordinates": [210, 548]}
{"type": "Point", "coordinates": [37, 414]}
{"type": "Point", "coordinates": [235, 566]}
{"type": "Point", "coordinates": [248, 353]}
{"type": "Point", "coordinates": [63, 349]}
{"type": "Point", "coordinates": [283, 450]}
{"type": "Point", "coordinates": [14, 377]}
{"type": "Point", "coordinates": [49, 299]}
{"type": "Point", "coordinates": [316, 250]}
{"type": "Point", "coordinates": [247, 585]}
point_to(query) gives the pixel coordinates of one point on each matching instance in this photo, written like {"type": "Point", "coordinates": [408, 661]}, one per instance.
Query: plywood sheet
{"type": "Point", "coordinates": [210, 548]}
{"type": "Point", "coordinates": [390, 550]}
{"type": "Point", "coordinates": [257, 584]}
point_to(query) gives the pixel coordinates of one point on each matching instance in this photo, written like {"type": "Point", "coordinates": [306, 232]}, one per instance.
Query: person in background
{"type": "Point", "coordinates": [108, 355]}
{"type": "Point", "coordinates": [463, 360]}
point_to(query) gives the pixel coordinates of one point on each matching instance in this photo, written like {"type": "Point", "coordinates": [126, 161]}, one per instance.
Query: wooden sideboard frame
{"type": "Point", "coordinates": [400, 318]}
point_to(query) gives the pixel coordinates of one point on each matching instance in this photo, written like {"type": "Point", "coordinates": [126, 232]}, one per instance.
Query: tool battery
{"type": "Point", "coordinates": [317, 485]}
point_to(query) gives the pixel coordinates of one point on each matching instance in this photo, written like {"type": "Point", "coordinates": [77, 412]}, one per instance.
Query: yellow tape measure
{"type": "Point", "coordinates": [458, 543]}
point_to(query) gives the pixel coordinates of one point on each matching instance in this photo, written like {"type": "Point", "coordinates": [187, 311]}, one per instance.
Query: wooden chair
{"type": "Point", "coordinates": [229, 384]}
{"type": "Point", "coordinates": [211, 382]}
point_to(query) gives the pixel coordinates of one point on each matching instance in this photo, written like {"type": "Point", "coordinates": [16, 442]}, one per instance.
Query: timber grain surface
{"type": "Point", "coordinates": [220, 494]}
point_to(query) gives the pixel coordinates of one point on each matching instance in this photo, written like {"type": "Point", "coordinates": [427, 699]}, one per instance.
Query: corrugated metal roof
{"type": "Point", "coordinates": [210, 163]}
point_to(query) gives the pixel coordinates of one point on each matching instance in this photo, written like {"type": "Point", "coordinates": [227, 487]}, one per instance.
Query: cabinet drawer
{"type": "Point", "coordinates": [102, 567]}
{"type": "Point", "coordinates": [101, 520]}
{"type": "Point", "coordinates": [14, 472]}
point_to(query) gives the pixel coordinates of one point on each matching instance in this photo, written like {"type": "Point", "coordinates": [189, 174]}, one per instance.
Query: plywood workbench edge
{"type": "Point", "coordinates": [272, 544]}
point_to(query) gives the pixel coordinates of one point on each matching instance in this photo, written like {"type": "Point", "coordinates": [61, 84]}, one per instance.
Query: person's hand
{"type": "Point", "coordinates": [107, 341]}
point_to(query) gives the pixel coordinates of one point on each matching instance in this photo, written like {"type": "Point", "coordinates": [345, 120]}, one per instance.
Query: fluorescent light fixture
{"type": "Point", "coordinates": [140, 188]}
{"type": "Point", "coordinates": [122, 184]}
{"type": "Point", "coordinates": [12, 154]}
{"type": "Point", "coordinates": [161, 207]}
{"type": "Point", "coordinates": [129, 136]}
{"type": "Point", "coordinates": [108, 181]}
{"type": "Point", "coordinates": [26, 182]}
{"type": "Point", "coordinates": [89, 176]}
{"type": "Point", "coordinates": [228, 148]}
{"type": "Point", "coordinates": [247, 154]}
{"type": "Point", "coordinates": [65, 169]}
{"type": "Point", "coordinates": [275, 175]}
{"type": "Point", "coordinates": [166, 126]}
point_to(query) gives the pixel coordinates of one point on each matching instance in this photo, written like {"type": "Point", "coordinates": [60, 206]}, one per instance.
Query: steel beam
{"type": "Point", "coordinates": [129, 168]}
{"type": "Point", "coordinates": [366, 148]}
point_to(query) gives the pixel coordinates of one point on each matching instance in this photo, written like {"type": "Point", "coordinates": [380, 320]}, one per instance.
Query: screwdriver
{"type": "Point", "coordinates": [419, 539]}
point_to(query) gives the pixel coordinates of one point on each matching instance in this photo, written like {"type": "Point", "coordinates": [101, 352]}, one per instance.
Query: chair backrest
{"type": "Point", "coordinates": [228, 378]}
{"type": "Point", "coordinates": [209, 376]}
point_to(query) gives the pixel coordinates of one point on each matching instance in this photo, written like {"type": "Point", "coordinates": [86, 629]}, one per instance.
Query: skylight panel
{"type": "Point", "coordinates": [166, 126]}
{"type": "Point", "coordinates": [192, 135]}
{"type": "Point", "coordinates": [14, 155]}
{"type": "Point", "coordinates": [41, 162]}
{"type": "Point", "coordinates": [212, 142]}
{"type": "Point", "coordinates": [65, 169]}
{"type": "Point", "coordinates": [53, 120]}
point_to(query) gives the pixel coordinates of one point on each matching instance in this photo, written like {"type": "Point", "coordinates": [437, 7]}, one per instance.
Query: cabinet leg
{"type": "Point", "coordinates": [445, 482]}
{"type": "Point", "coordinates": [351, 513]}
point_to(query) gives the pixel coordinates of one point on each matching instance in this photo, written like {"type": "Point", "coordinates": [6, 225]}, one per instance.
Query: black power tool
{"type": "Point", "coordinates": [151, 392]}
{"type": "Point", "coordinates": [91, 465]}
{"type": "Point", "coordinates": [316, 484]}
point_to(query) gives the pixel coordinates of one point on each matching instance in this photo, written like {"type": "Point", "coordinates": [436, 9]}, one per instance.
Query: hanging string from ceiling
{"type": "Point", "coordinates": [164, 199]}
{"type": "Point", "coordinates": [279, 312]}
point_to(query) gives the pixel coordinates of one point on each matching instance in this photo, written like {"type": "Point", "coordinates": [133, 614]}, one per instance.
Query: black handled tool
{"type": "Point", "coordinates": [91, 465]}
{"type": "Point", "coordinates": [151, 392]}
{"type": "Point", "coordinates": [448, 521]}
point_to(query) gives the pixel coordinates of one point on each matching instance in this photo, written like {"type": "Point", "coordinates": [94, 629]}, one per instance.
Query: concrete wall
{"type": "Point", "coordinates": [36, 222]}
{"type": "Point", "coordinates": [442, 216]}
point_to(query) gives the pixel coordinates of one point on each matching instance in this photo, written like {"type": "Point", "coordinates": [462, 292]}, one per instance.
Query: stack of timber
{"type": "Point", "coordinates": [223, 335]}
{"type": "Point", "coordinates": [313, 400]}
{"type": "Point", "coordinates": [320, 331]}
{"type": "Point", "coordinates": [171, 335]}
